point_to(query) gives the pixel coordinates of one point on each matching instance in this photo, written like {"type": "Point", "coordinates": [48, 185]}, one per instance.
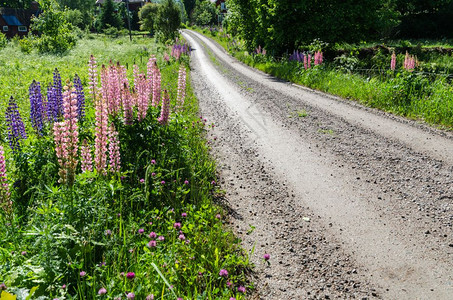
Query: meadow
{"type": "Point", "coordinates": [107, 188]}
{"type": "Point", "coordinates": [364, 73]}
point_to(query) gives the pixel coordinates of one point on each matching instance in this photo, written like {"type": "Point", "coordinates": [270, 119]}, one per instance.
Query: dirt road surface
{"type": "Point", "coordinates": [348, 201]}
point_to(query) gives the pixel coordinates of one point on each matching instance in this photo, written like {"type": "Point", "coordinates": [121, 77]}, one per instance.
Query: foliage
{"type": "Point", "coordinates": [3, 40]}
{"type": "Point", "coordinates": [284, 25]}
{"type": "Point", "coordinates": [168, 21]}
{"type": "Point", "coordinates": [26, 45]}
{"type": "Point", "coordinates": [109, 16]}
{"type": "Point", "coordinates": [189, 5]}
{"type": "Point", "coordinates": [204, 13]}
{"type": "Point", "coordinates": [15, 3]}
{"type": "Point", "coordinates": [86, 9]}
{"type": "Point", "coordinates": [139, 231]}
{"type": "Point", "coordinates": [55, 32]}
{"type": "Point", "coordinates": [148, 17]}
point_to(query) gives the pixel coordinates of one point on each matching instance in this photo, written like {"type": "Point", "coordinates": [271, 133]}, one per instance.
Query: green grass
{"type": "Point", "coordinates": [57, 232]}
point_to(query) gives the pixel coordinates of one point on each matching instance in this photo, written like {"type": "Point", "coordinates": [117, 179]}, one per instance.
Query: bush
{"type": "Point", "coordinates": [148, 17]}
{"type": "Point", "coordinates": [168, 21]}
{"type": "Point", "coordinates": [3, 40]}
{"type": "Point", "coordinates": [25, 45]}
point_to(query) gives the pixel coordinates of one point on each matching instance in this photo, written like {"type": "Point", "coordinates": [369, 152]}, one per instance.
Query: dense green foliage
{"type": "Point", "coordinates": [109, 16]}
{"type": "Point", "coordinates": [15, 3]}
{"type": "Point", "coordinates": [286, 25]}
{"type": "Point", "coordinates": [204, 13]}
{"type": "Point", "coordinates": [148, 17]}
{"type": "Point", "coordinates": [168, 21]}
{"type": "Point", "coordinates": [3, 40]}
{"type": "Point", "coordinates": [71, 241]}
{"type": "Point", "coordinates": [55, 32]}
{"type": "Point", "coordinates": [82, 11]}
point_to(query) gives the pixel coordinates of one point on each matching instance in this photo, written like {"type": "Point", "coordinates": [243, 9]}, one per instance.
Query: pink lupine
{"type": "Point", "coordinates": [142, 96]}
{"type": "Point", "coordinates": [87, 159]}
{"type": "Point", "coordinates": [114, 150]}
{"type": "Point", "coordinates": [66, 135]}
{"type": "Point", "coordinates": [393, 62]}
{"type": "Point", "coordinates": [181, 87]}
{"type": "Point", "coordinates": [149, 73]}
{"type": "Point", "coordinates": [156, 86]}
{"type": "Point", "coordinates": [410, 62]}
{"type": "Point", "coordinates": [92, 76]}
{"type": "Point", "coordinates": [5, 202]}
{"type": "Point", "coordinates": [101, 136]}
{"type": "Point", "coordinates": [114, 86]}
{"type": "Point", "coordinates": [128, 104]}
{"type": "Point", "coordinates": [165, 111]}
{"type": "Point", "coordinates": [318, 58]}
{"type": "Point", "coordinates": [305, 62]}
{"type": "Point", "coordinates": [309, 61]}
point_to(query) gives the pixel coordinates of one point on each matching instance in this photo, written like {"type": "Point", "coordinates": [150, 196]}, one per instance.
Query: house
{"type": "Point", "coordinates": [16, 22]}
{"type": "Point", "coordinates": [222, 4]}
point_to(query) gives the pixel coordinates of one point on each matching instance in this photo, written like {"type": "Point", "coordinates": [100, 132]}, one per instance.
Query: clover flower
{"type": "Point", "coordinates": [102, 291]}
{"type": "Point", "coordinates": [177, 225]}
{"type": "Point", "coordinates": [152, 244]}
{"type": "Point", "coordinates": [130, 275]}
{"type": "Point", "coordinates": [223, 273]}
{"type": "Point", "coordinates": [241, 289]}
{"type": "Point", "coordinates": [82, 273]}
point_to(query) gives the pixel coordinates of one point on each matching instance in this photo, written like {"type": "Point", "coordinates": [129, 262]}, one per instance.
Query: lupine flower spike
{"type": "Point", "coordinates": [393, 62]}
{"type": "Point", "coordinates": [181, 87]}
{"type": "Point", "coordinates": [92, 76]}
{"type": "Point", "coordinates": [5, 202]}
{"type": "Point", "coordinates": [87, 159]}
{"type": "Point", "coordinates": [114, 150]}
{"type": "Point", "coordinates": [36, 107]}
{"type": "Point", "coordinates": [165, 111]}
{"type": "Point", "coordinates": [16, 128]}
{"type": "Point", "coordinates": [80, 98]}
{"type": "Point", "coordinates": [101, 136]}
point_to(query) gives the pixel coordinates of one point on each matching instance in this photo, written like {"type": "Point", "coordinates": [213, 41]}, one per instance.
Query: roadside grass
{"type": "Point", "coordinates": [150, 231]}
{"type": "Point", "coordinates": [424, 94]}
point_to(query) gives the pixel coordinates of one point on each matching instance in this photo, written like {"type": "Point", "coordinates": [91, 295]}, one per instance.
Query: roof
{"type": "Point", "coordinates": [11, 20]}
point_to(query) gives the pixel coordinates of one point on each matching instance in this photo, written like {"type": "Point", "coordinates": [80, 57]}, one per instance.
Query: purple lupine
{"type": "Point", "coordinates": [296, 56]}
{"type": "Point", "coordinates": [16, 128]}
{"type": "Point", "coordinates": [58, 91]}
{"type": "Point", "coordinates": [51, 104]}
{"type": "Point", "coordinates": [36, 106]}
{"type": "Point", "coordinates": [80, 98]}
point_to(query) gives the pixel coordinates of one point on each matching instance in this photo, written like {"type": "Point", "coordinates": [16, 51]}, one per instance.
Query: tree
{"type": "Point", "coordinates": [148, 17]}
{"type": "Point", "coordinates": [189, 5]}
{"type": "Point", "coordinates": [15, 3]}
{"type": "Point", "coordinates": [168, 20]}
{"type": "Point", "coordinates": [204, 13]}
{"type": "Point", "coordinates": [109, 16]}
{"type": "Point", "coordinates": [55, 32]}
{"type": "Point", "coordinates": [86, 7]}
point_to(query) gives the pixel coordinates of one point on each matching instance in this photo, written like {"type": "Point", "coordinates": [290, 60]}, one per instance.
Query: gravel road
{"type": "Point", "coordinates": [348, 201]}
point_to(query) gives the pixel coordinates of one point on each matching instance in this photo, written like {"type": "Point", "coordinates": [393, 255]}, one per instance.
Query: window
{"type": "Point", "coordinates": [222, 6]}
{"type": "Point", "coordinates": [23, 28]}
{"type": "Point", "coordinates": [5, 28]}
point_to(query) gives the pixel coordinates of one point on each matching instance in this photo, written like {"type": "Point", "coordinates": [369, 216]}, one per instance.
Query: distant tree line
{"type": "Point", "coordinates": [282, 25]}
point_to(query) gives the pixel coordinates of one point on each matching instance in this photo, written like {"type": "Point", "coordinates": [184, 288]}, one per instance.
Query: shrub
{"type": "Point", "coordinates": [25, 45]}
{"type": "Point", "coordinates": [3, 40]}
{"type": "Point", "coordinates": [168, 21]}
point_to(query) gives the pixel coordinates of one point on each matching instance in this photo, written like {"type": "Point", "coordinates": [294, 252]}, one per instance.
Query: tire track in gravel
{"type": "Point", "coordinates": [378, 201]}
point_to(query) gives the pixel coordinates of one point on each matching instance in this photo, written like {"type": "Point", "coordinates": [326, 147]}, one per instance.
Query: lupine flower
{"type": "Point", "coordinates": [309, 61]}
{"type": "Point", "coordinates": [5, 201]}
{"type": "Point", "coordinates": [156, 86]}
{"type": "Point", "coordinates": [114, 150]}
{"type": "Point", "coordinates": [142, 89]}
{"type": "Point", "coordinates": [166, 57]}
{"type": "Point", "coordinates": [296, 56]}
{"type": "Point", "coordinates": [223, 273]}
{"type": "Point", "coordinates": [393, 62]}
{"type": "Point", "coordinates": [165, 111]}
{"type": "Point", "coordinates": [66, 136]}
{"type": "Point", "coordinates": [82, 273]}
{"type": "Point", "coordinates": [51, 104]}
{"type": "Point", "coordinates": [92, 76]}
{"type": "Point", "coordinates": [101, 136]}
{"type": "Point", "coordinates": [80, 98]}
{"type": "Point", "coordinates": [305, 62]}
{"type": "Point", "coordinates": [36, 106]}
{"type": "Point", "coordinates": [58, 90]}
{"type": "Point", "coordinates": [149, 74]}
{"type": "Point", "coordinates": [318, 58]}
{"type": "Point", "coordinates": [410, 62]}
{"type": "Point", "coordinates": [130, 275]}
{"type": "Point", "coordinates": [102, 291]}
{"type": "Point", "coordinates": [181, 87]}
{"type": "Point", "coordinates": [241, 289]}
{"type": "Point", "coordinates": [127, 105]}
{"type": "Point", "coordinates": [87, 159]}
{"type": "Point", "coordinates": [16, 128]}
